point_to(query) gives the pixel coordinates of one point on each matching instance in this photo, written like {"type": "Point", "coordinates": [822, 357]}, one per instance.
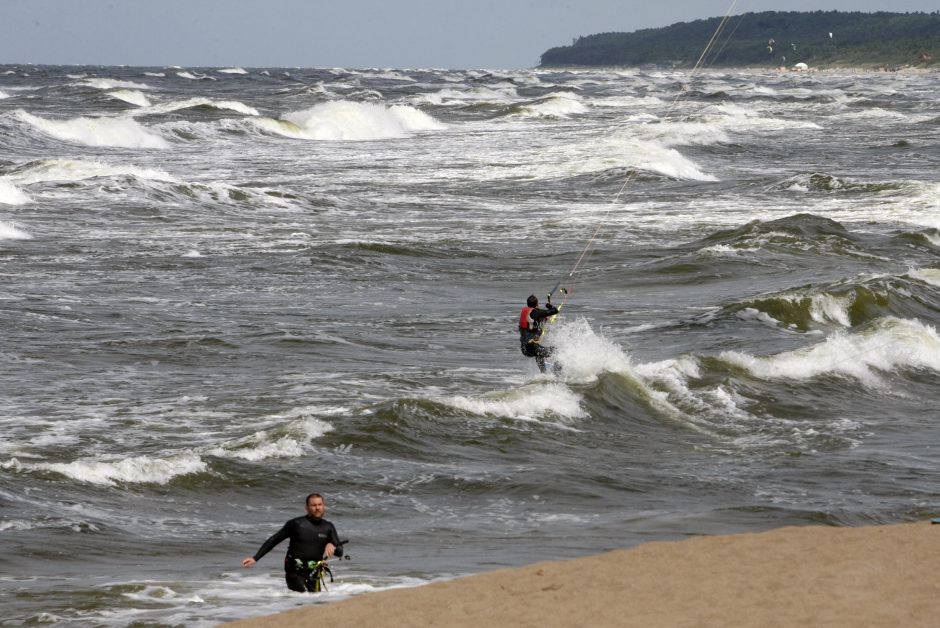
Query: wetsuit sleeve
{"type": "Point", "coordinates": [538, 313]}
{"type": "Point", "coordinates": [277, 537]}
{"type": "Point", "coordinates": [334, 539]}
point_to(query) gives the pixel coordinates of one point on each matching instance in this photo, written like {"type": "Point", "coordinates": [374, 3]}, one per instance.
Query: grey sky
{"type": "Point", "coordinates": [346, 33]}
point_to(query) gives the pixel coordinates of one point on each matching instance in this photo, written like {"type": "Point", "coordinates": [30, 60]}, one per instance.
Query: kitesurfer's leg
{"type": "Point", "coordinates": [295, 581]}
{"type": "Point", "coordinates": [537, 351]}
{"type": "Point", "coordinates": [540, 354]}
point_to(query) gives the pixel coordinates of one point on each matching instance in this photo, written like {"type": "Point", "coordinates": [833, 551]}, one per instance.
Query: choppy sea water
{"type": "Point", "coordinates": [223, 289]}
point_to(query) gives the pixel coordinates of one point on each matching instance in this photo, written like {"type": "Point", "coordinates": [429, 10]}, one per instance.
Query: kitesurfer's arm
{"type": "Point", "coordinates": [333, 547]}
{"type": "Point", "coordinates": [538, 313]}
{"type": "Point", "coordinates": [268, 545]}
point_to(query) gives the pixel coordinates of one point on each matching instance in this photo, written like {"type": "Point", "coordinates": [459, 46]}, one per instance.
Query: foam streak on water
{"type": "Point", "coordinates": [225, 288]}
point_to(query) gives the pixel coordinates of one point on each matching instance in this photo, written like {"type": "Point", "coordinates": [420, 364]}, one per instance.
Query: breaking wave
{"type": "Point", "coordinates": [351, 121]}
{"type": "Point", "coordinates": [116, 132]}
{"type": "Point", "coordinates": [12, 195]}
{"type": "Point", "coordinates": [891, 343]}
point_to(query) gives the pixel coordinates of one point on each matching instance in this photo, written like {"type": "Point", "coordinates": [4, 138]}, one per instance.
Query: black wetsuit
{"type": "Point", "coordinates": [529, 337]}
{"type": "Point", "coordinates": [308, 539]}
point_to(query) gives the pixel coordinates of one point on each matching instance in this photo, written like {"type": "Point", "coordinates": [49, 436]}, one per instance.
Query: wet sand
{"type": "Point", "coordinates": [796, 576]}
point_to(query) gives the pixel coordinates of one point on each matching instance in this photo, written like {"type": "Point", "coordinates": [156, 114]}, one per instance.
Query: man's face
{"type": "Point", "coordinates": [315, 507]}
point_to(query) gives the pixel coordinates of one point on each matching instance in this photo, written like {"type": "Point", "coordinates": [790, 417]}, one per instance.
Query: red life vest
{"type": "Point", "coordinates": [524, 318]}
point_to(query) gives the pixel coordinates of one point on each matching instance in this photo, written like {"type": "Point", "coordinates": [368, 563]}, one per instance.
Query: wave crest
{"type": "Point", "coordinates": [12, 195]}
{"type": "Point", "coordinates": [351, 121]}
{"type": "Point", "coordinates": [891, 343]}
{"type": "Point", "coordinates": [116, 132]}
{"type": "Point", "coordinates": [135, 470]}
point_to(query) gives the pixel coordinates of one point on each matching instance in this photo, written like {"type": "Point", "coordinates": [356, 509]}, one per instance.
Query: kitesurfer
{"type": "Point", "coordinates": [531, 330]}
{"type": "Point", "coordinates": [312, 539]}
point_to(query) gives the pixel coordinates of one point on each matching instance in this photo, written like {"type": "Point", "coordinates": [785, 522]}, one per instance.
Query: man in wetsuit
{"type": "Point", "coordinates": [311, 539]}
{"type": "Point", "coordinates": [530, 330]}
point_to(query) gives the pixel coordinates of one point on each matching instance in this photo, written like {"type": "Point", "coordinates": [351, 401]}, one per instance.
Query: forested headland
{"type": "Point", "coordinates": [768, 39]}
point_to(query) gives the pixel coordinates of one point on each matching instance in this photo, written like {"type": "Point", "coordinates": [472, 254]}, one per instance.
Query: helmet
{"type": "Point", "coordinates": [532, 301]}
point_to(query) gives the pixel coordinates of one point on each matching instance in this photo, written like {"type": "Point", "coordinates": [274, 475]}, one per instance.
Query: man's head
{"type": "Point", "coordinates": [315, 506]}
{"type": "Point", "coordinates": [532, 301]}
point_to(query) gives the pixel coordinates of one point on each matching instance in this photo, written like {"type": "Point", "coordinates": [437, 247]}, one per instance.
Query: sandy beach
{"type": "Point", "coordinates": [795, 576]}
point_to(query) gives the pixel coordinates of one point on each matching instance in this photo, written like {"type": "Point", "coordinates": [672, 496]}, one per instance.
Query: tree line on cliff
{"type": "Point", "coordinates": [769, 38]}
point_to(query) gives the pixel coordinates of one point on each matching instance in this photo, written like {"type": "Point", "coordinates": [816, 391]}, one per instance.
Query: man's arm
{"type": "Point", "coordinates": [337, 548]}
{"type": "Point", "coordinates": [538, 313]}
{"type": "Point", "coordinates": [268, 545]}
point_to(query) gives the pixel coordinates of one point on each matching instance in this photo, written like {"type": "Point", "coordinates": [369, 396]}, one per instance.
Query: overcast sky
{"type": "Point", "coordinates": [453, 34]}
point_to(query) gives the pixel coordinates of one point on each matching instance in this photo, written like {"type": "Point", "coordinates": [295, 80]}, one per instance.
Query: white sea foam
{"type": "Point", "coordinates": [135, 470]}
{"type": "Point", "coordinates": [131, 96]}
{"type": "Point", "coordinates": [12, 195]}
{"type": "Point", "coordinates": [714, 410]}
{"type": "Point", "coordinates": [78, 170]}
{"type": "Point", "coordinates": [672, 378]}
{"type": "Point", "coordinates": [559, 105]}
{"type": "Point", "coordinates": [891, 343]}
{"type": "Point", "coordinates": [3, 95]}
{"type": "Point", "coordinates": [459, 97]}
{"type": "Point", "coordinates": [926, 199]}
{"type": "Point", "coordinates": [11, 232]}
{"type": "Point", "coordinates": [232, 105]}
{"type": "Point", "coordinates": [825, 308]}
{"type": "Point", "coordinates": [933, 238]}
{"type": "Point", "coordinates": [232, 71]}
{"type": "Point", "coordinates": [627, 101]}
{"type": "Point", "coordinates": [245, 593]}
{"type": "Point", "coordinates": [16, 525]}
{"type": "Point", "coordinates": [617, 151]}
{"type": "Point", "coordinates": [118, 132]}
{"type": "Point", "coordinates": [289, 440]}
{"type": "Point", "coordinates": [683, 133]}
{"type": "Point", "coordinates": [727, 250]}
{"type": "Point", "coordinates": [762, 90]}
{"type": "Point", "coordinates": [387, 74]}
{"type": "Point", "coordinates": [344, 120]}
{"type": "Point", "coordinates": [751, 314]}
{"type": "Point", "coordinates": [106, 83]}
{"type": "Point", "coordinates": [584, 354]}
{"type": "Point", "coordinates": [155, 74]}
{"type": "Point", "coordinates": [738, 118]}
{"type": "Point", "coordinates": [74, 526]}
{"type": "Point", "coordinates": [927, 275]}
{"type": "Point", "coordinates": [535, 402]}
{"type": "Point", "coordinates": [875, 113]}
{"type": "Point", "coordinates": [195, 77]}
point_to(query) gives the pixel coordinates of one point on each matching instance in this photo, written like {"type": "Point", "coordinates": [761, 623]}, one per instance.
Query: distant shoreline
{"type": "Point", "coordinates": [749, 68]}
{"type": "Point", "coordinates": [877, 576]}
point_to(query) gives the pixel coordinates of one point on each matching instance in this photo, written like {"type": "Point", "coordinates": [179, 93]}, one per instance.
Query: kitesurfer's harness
{"type": "Point", "coordinates": [315, 571]}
